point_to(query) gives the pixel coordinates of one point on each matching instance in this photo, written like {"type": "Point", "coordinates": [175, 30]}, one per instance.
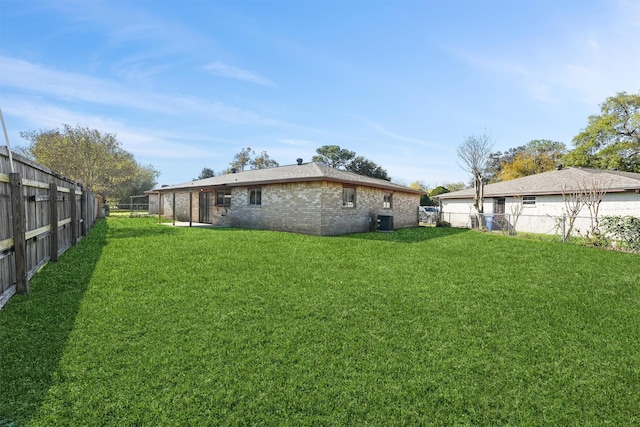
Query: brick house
{"type": "Point", "coordinates": [308, 198]}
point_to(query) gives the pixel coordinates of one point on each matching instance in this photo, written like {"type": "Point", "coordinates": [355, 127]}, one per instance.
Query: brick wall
{"type": "Point", "coordinates": [337, 219]}
{"type": "Point", "coordinates": [181, 205]}
{"type": "Point", "coordinates": [285, 207]}
{"type": "Point", "coordinates": [304, 207]}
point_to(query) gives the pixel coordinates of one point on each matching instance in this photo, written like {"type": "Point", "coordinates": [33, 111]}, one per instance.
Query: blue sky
{"type": "Point", "coordinates": [187, 84]}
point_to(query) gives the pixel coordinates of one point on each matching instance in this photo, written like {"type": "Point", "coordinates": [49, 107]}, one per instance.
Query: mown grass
{"type": "Point", "coordinates": [147, 324]}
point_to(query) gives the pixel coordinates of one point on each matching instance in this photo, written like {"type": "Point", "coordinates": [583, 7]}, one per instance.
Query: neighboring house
{"type": "Point", "coordinates": [541, 203]}
{"type": "Point", "coordinates": [307, 198]}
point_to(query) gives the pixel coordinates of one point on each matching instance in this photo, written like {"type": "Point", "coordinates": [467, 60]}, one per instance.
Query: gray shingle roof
{"type": "Point", "coordinates": [291, 173]}
{"type": "Point", "coordinates": [555, 182]}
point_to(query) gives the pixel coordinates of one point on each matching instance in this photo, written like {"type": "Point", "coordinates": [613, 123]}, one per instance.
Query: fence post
{"type": "Point", "coordinates": [83, 212]}
{"type": "Point", "coordinates": [19, 225]}
{"type": "Point", "coordinates": [74, 217]}
{"type": "Point", "coordinates": [53, 220]}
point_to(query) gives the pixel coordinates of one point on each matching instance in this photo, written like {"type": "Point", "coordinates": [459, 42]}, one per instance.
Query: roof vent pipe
{"type": "Point", "coordinates": [234, 170]}
{"type": "Point", "coordinates": [299, 160]}
{"type": "Point", "coordinates": [559, 167]}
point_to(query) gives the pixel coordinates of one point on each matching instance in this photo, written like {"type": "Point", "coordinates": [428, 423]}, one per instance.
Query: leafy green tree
{"type": "Point", "coordinates": [612, 138]}
{"type": "Point", "coordinates": [242, 159]}
{"type": "Point", "coordinates": [144, 179]}
{"type": "Point", "coordinates": [535, 157]}
{"type": "Point", "coordinates": [363, 166]}
{"type": "Point", "coordinates": [341, 158]}
{"type": "Point", "coordinates": [438, 191]}
{"type": "Point", "coordinates": [263, 161]}
{"type": "Point", "coordinates": [93, 158]}
{"type": "Point", "coordinates": [247, 157]}
{"type": "Point", "coordinates": [425, 200]}
{"type": "Point", "coordinates": [419, 185]}
{"type": "Point", "coordinates": [334, 156]}
{"type": "Point", "coordinates": [206, 173]}
{"type": "Point", "coordinates": [540, 155]}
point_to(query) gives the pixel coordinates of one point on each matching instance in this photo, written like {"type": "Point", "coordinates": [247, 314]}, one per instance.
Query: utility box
{"type": "Point", "coordinates": [385, 222]}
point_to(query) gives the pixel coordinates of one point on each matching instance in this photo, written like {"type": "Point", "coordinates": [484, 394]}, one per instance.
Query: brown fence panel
{"type": "Point", "coordinates": [7, 264]}
{"type": "Point", "coordinates": [42, 214]}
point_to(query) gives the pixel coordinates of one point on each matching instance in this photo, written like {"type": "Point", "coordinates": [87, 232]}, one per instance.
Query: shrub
{"type": "Point", "coordinates": [443, 223]}
{"type": "Point", "coordinates": [626, 229]}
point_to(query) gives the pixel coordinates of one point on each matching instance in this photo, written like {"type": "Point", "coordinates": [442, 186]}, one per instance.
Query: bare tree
{"type": "Point", "coordinates": [475, 154]}
{"type": "Point", "coordinates": [591, 198]}
{"type": "Point", "coordinates": [573, 202]}
{"type": "Point", "coordinates": [515, 211]}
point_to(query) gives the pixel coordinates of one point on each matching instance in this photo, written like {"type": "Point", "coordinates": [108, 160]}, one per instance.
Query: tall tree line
{"type": "Point", "coordinates": [94, 159]}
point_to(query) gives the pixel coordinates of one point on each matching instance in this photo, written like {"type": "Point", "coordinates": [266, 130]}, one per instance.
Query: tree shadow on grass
{"type": "Point", "coordinates": [409, 235]}
{"type": "Point", "coordinates": [34, 329]}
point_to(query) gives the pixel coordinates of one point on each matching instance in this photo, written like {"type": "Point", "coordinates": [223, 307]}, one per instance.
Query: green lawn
{"type": "Point", "coordinates": [147, 324]}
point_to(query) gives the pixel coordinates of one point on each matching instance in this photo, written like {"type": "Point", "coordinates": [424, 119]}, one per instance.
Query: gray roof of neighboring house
{"type": "Point", "coordinates": [291, 173]}
{"type": "Point", "coordinates": [556, 182]}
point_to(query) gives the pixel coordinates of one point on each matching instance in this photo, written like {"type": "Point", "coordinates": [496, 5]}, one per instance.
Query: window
{"type": "Point", "coordinates": [498, 205]}
{"type": "Point", "coordinates": [529, 200]}
{"type": "Point", "coordinates": [387, 202]}
{"type": "Point", "coordinates": [223, 198]}
{"type": "Point", "coordinates": [255, 197]}
{"type": "Point", "coordinates": [348, 197]}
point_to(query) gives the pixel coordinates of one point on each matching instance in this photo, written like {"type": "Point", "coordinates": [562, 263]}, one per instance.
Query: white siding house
{"type": "Point", "coordinates": [542, 203]}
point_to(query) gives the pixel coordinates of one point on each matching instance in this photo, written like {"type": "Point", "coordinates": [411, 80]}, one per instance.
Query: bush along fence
{"type": "Point", "coordinates": [621, 231]}
{"type": "Point", "coordinates": [42, 214]}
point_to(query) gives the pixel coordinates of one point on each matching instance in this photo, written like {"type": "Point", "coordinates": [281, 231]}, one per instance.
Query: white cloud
{"type": "Point", "coordinates": [148, 143]}
{"type": "Point", "coordinates": [236, 73]}
{"type": "Point", "coordinates": [17, 74]}
{"type": "Point", "coordinates": [384, 131]}
{"type": "Point", "coordinates": [20, 74]}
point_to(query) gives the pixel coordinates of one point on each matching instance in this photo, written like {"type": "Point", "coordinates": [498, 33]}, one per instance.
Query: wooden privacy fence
{"type": "Point", "coordinates": [42, 214]}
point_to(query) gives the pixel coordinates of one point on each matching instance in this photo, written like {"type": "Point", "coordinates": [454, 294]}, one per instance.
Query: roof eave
{"type": "Point", "coordinates": [530, 193]}
{"type": "Point", "coordinates": [291, 180]}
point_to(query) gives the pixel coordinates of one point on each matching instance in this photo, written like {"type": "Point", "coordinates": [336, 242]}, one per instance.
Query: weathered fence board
{"type": "Point", "coordinates": [42, 214]}
{"type": "Point", "coordinates": [19, 237]}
